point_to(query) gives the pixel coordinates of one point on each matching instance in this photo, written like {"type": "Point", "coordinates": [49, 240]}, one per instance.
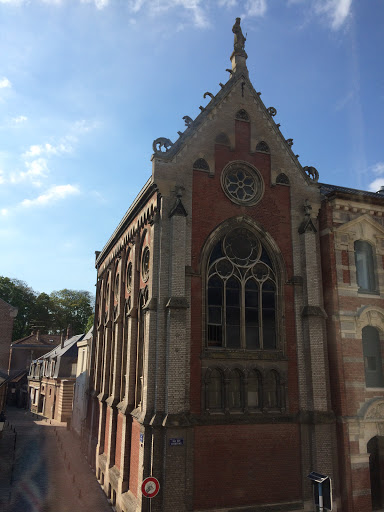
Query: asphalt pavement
{"type": "Point", "coordinates": [42, 468]}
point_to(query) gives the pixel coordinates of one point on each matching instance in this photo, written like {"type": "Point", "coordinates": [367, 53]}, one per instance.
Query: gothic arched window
{"type": "Point", "coordinates": [234, 390]}
{"type": "Point", "coordinates": [215, 390]}
{"type": "Point", "coordinates": [241, 301]}
{"type": "Point", "coordinates": [254, 390]}
{"type": "Point", "coordinates": [365, 268]}
{"type": "Point", "coordinates": [373, 365]}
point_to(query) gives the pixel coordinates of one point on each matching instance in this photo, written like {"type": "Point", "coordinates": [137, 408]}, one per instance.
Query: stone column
{"type": "Point", "coordinates": [318, 423]}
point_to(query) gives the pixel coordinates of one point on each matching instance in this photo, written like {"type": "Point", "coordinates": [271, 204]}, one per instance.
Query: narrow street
{"type": "Point", "coordinates": [46, 471]}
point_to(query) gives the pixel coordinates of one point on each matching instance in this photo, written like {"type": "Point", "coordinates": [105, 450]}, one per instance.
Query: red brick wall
{"type": "Point", "coordinates": [231, 468]}
{"type": "Point", "coordinates": [272, 213]}
{"type": "Point", "coordinates": [119, 434]}
{"type": "Point", "coordinates": [106, 434]}
{"type": "Point", "coordinates": [135, 452]}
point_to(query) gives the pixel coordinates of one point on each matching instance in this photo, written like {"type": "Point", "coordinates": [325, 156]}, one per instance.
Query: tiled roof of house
{"type": "Point", "coordinates": [39, 340]}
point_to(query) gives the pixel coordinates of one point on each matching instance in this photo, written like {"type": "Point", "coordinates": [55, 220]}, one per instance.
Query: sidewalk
{"type": "Point", "coordinates": [50, 471]}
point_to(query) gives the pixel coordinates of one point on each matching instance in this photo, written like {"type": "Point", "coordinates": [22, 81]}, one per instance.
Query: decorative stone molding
{"type": "Point", "coordinates": [263, 147]}
{"type": "Point", "coordinates": [311, 172]}
{"type": "Point", "coordinates": [177, 303]}
{"type": "Point", "coordinates": [272, 111]}
{"type": "Point", "coordinates": [242, 183]}
{"type": "Point", "coordinates": [282, 179]}
{"type": "Point", "coordinates": [242, 115]}
{"type": "Point", "coordinates": [201, 165]}
{"type": "Point", "coordinates": [188, 121]}
{"type": "Point", "coordinates": [313, 311]}
{"type": "Point", "coordinates": [161, 142]}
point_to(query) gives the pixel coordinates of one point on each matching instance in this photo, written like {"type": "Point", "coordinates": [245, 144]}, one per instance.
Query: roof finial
{"type": "Point", "coordinates": [239, 42]}
{"type": "Point", "coordinates": [239, 55]}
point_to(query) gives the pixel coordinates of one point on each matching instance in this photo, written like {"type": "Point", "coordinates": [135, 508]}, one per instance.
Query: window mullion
{"type": "Point", "coordinates": [260, 312]}
{"type": "Point", "coordinates": [224, 314]}
{"type": "Point", "coordinates": [242, 315]}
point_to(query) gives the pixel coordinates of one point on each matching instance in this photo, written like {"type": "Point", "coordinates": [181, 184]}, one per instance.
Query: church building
{"type": "Point", "coordinates": [239, 325]}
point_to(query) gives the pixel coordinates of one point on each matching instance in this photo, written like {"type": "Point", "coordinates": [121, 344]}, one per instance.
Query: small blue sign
{"type": "Point", "coordinates": [176, 441]}
{"type": "Point", "coordinates": [141, 438]}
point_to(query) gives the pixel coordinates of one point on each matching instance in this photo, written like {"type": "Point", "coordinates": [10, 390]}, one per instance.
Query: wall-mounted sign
{"type": "Point", "coordinates": [150, 487]}
{"type": "Point", "coordinates": [141, 438]}
{"type": "Point", "coordinates": [176, 441]}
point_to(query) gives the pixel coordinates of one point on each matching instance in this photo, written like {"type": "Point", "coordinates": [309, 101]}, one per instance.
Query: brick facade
{"type": "Point", "coordinates": [234, 413]}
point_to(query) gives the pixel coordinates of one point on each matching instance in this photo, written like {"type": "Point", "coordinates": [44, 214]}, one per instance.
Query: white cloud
{"type": "Point", "coordinates": [36, 171]}
{"type": "Point", "coordinates": [227, 3]}
{"type": "Point", "coordinates": [49, 149]}
{"type": "Point", "coordinates": [4, 82]}
{"type": "Point", "coordinates": [55, 193]}
{"type": "Point", "coordinates": [4, 212]}
{"type": "Point", "coordinates": [19, 119]}
{"type": "Point", "coordinates": [100, 4]}
{"type": "Point", "coordinates": [155, 7]}
{"type": "Point", "coordinates": [378, 168]}
{"type": "Point", "coordinates": [2, 180]}
{"type": "Point", "coordinates": [376, 185]}
{"type": "Point", "coordinates": [256, 7]}
{"type": "Point", "coordinates": [337, 11]}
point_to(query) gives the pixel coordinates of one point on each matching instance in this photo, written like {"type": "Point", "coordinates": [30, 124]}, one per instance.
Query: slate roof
{"type": "Point", "coordinates": [33, 339]}
{"type": "Point", "coordinates": [326, 189]}
{"type": "Point", "coordinates": [60, 351]}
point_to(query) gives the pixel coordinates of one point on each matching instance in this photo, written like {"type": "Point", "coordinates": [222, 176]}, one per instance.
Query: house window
{"type": "Point", "coordinates": [373, 365]}
{"type": "Point", "coordinates": [365, 268]}
{"type": "Point", "coordinates": [241, 294]}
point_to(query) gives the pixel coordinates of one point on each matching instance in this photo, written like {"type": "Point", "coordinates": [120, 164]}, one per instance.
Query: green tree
{"type": "Point", "coordinates": [71, 307]}
{"type": "Point", "coordinates": [21, 296]}
{"type": "Point", "coordinates": [91, 319]}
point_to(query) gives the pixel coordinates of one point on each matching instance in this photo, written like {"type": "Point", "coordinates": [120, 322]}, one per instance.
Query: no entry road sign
{"type": "Point", "coordinates": [150, 487]}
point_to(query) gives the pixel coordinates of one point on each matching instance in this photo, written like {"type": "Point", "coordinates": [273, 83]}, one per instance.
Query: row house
{"type": "Point", "coordinates": [51, 380]}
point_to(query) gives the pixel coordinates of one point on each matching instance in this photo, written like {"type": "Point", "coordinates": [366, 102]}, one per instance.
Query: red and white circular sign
{"type": "Point", "coordinates": [150, 487]}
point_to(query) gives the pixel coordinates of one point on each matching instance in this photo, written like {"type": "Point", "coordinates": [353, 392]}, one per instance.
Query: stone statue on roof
{"type": "Point", "coordinates": [239, 42]}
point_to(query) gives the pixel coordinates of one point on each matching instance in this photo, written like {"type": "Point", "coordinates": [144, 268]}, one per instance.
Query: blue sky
{"type": "Point", "coordinates": [87, 85]}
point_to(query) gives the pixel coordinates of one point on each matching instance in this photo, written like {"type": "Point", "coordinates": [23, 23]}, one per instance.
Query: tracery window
{"type": "Point", "coordinates": [365, 268]}
{"type": "Point", "coordinates": [373, 364]}
{"type": "Point", "coordinates": [215, 390]}
{"type": "Point", "coordinates": [241, 294]}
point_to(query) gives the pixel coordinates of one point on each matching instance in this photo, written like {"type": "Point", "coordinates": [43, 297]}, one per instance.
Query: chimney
{"type": "Point", "coordinates": [38, 335]}
{"type": "Point", "coordinates": [62, 340]}
{"type": "Point", "coordinates": [69, 332]}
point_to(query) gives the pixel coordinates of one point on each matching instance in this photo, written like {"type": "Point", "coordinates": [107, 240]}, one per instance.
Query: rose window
{"type": "Point", "coordinates": [242, 183]}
